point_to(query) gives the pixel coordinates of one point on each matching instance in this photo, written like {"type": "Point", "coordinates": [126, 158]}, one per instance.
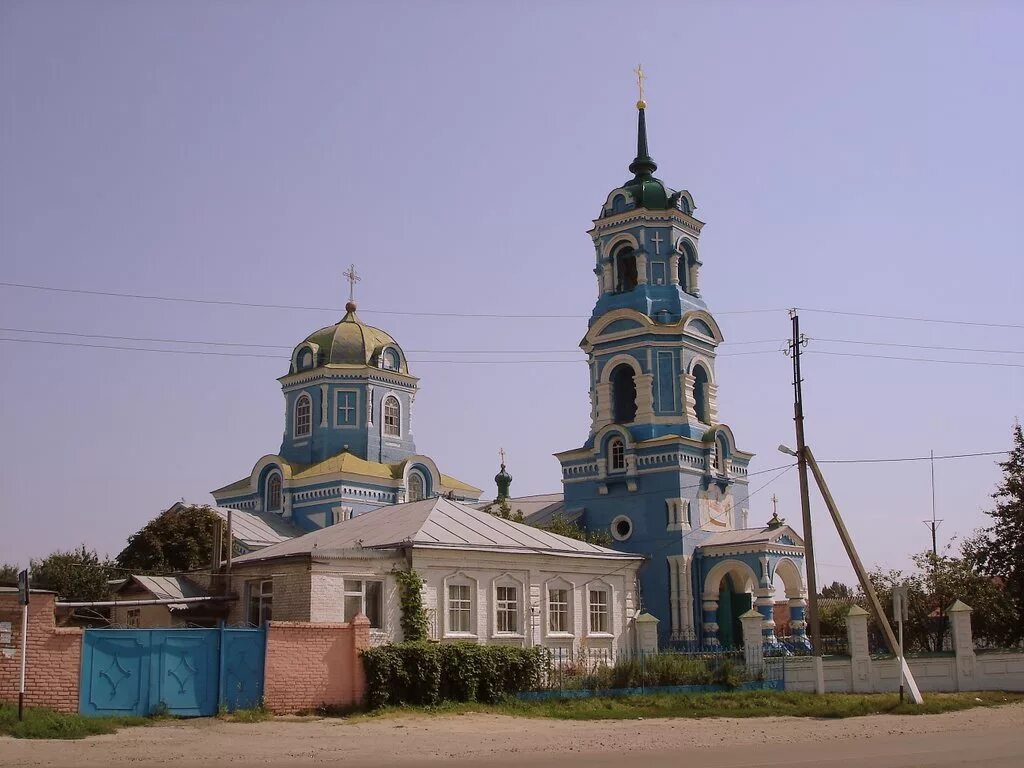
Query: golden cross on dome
{"type": "Point", "coordinates": [353, 278]}
{"type": "Point", "coordinates": [640, 77]}
{"type": "Point", "coordinates": [775, 504]}
{"type": "Point", "coordinates": [501, 452]}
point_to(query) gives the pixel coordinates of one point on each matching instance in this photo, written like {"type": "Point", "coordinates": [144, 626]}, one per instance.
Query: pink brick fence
{"type": "Point", "coordinates": [307, 665]}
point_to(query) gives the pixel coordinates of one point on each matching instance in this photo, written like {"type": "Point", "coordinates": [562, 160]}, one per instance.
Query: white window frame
{"type": "Point", "coordinates": [613, 444]}
{"type": "Point", "coordinates": [460, 580]}
{"type": "Point", "coordinates": [506, 581]}
{"type": "Point", "coordinates": [133, 618]}
{"type": "Point", "coordinates": [295, 417]}
{"type": "Point", "coordinates": [384, 416]}
{"type": "Point", "coordinates": [385, 353]}
{"type": "Point", "coordinates": [264, 596]}
{"type": "Point", "coordinates": [363, 580]}
{"type": "Point", "coordinates": [338, 424]}
{"type": "Point", "coordinates": [570, 616]}
{"type": "Point", "coordinates": [266, 491]}
{"type": "Point", "coordinates": [606, 590]}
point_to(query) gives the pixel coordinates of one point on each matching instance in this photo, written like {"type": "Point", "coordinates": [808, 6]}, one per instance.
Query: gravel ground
{"type": "Point", "coordinates": [478, 739]}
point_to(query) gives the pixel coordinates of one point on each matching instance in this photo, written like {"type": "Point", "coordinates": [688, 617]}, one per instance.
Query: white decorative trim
{"type": "Point", "coordinates": [614, 528]}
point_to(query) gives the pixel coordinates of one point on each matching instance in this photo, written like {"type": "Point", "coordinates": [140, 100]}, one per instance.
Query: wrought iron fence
{"type": "Point", "coordinates": [584, 670]}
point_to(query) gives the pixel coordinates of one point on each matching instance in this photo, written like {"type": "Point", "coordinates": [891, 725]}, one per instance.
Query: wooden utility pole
{"type": "Point", "coordinates": [795, 346]}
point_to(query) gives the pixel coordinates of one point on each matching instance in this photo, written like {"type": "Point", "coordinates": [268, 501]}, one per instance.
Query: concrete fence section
{"type": "Point", "coordinates": [964, 669]}
{"type": "Point", "coordinates": [54, 654]}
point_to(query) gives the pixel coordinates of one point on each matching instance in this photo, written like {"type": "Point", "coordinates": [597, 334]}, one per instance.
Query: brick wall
{"type": "Point", "coordinates": [54, 656]}
{"type": "Point", "coordinates": [309, 665]}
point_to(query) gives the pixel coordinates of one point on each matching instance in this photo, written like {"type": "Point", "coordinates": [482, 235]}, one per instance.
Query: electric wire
{"type": "Point", "coordinates": [982, 363]}
{"type": "Point", "coordinates": [908, 318]}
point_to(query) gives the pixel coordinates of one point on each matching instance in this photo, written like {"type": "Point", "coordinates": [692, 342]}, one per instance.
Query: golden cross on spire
{"type": "Point", "coordinates": [353, 278]}
{"type": "Point", "coordinates": [775, 504]}
{"type": "Point", "coordinates": [501, 452]}
{"type": "Point", "coordinates": [640, 77]}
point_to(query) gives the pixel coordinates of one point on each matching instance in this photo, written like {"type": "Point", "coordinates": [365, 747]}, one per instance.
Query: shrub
{"type": "Point", "coordinates": [427, 673]}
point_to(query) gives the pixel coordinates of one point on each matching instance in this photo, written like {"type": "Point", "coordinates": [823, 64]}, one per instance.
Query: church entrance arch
{"type": "Point", "coordinates": [727, 595]}
{"type": "Point", "coordinates": [623, 394]}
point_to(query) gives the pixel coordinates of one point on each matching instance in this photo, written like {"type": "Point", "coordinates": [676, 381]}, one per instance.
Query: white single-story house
{"type": "Point", "coordinates": [486, 580]}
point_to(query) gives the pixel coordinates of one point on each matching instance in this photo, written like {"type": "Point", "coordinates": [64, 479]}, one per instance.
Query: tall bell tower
{"type": "Point", "coordinates": [658, 470]}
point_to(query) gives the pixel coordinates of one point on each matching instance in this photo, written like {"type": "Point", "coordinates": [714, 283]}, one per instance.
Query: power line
{"type": "Point", "coordinates": [916, 359]}
{"type": "Point", "coordinates": [264, 305]}
{"type": "Point", "coordinates": [920, 346]}
{"type": "Point", "coordinates": [912, 458]}
{"type": "Point", "coordinates": [943, 321]}
{"type": "Point", "coordinates": [159, 340]}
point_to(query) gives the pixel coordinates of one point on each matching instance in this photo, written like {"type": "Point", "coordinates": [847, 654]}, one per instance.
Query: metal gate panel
{"type": "Point", "coordinates": [241, 672]}
{"type": "Point", "coordinates": [115, 673]}
{"type": "Point", "coordinates": [183, 678]}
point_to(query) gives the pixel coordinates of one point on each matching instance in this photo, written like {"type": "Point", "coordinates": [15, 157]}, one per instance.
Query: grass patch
{"type": "Point", "coordinates": [256, 714]}
{"type": "Point", "coordinates": [42, 723]}
{"type": "Point", "coordinates": [737, 704]}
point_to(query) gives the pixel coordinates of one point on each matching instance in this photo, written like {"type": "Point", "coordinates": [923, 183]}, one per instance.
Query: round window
{"type": "Point", "coordinates": [622, 528]}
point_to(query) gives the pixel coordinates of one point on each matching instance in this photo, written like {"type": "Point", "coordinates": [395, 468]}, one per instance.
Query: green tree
{"type": "Point", "coordinates": [558, 524]}
{"type": "Point", "coordinates": [178, 540]}
{"type": "Point", "coordinates": [79, 574]}
{"type": "Point", "coordinates": [8, 575]}
{"type": "Point", "coordinates": [998, 551]}
{"type": "Point", "coordinates": [935, 584]}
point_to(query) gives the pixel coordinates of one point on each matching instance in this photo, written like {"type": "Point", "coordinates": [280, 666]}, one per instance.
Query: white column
{"type": "Point", "coordinates": [857, 645]}
{"type": "Point", "coordinates": [604, 404]}
{"type": "Point", "coordinates": [644, 396]}
{"type": "Point", "coordinates": [609, 277]}
{"type": "Point", "coordinates": [673, 269]}
{"type": "Point", "coordinates": [686, 382]}
{"type": "Point", "coordinates": [323, 405]}
{"type": "Point", "coordinates": [673, 593]}
{"type": "Point", "coordinates": [959, 615]}
{"type": "Point", "coordinates": [713, 403]}
{"type": "Point", "coordinates": [641, 267]}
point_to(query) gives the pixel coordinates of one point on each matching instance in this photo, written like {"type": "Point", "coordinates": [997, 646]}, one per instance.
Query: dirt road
{"type": "Point", "coordinates": [979, 737]}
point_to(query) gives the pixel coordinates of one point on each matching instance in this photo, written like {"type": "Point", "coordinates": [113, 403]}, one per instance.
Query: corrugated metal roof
{"type": "Point", "coordinates": [256, 530]}
{"type": "Point", "coordinates": [168, 588]}
{"type": "Point", "coordinates": [752, 536]}
{"type": "Point", "coordinates": [435, 522]}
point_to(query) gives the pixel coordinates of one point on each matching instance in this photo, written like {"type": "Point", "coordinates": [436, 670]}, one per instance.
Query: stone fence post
{"type": "Point", "coordinates": [959, 615]}
{"type": "Point", "coordinates": [646, 633]}
{"type": "Point", "coordinates": [753, 641]}
{"type": "Point", "coordinates": [860, 653]}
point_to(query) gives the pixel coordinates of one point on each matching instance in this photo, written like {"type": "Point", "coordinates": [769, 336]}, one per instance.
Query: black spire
{"type": "Point", "coordinates": [643, 165]}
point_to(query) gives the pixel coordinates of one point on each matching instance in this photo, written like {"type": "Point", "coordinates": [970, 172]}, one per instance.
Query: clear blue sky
{"type": "Point", "coordinates": [849, 156]}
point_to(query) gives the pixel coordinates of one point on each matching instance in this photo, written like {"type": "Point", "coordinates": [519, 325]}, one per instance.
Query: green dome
{"type": "Point", "coordinates": [649, 192]}
{"type": "Point", "coordinates": [352, 342]}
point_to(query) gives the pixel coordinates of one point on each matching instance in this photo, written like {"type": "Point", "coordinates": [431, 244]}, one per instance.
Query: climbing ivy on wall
{"type": "Point", "coordinates": [414, 616]}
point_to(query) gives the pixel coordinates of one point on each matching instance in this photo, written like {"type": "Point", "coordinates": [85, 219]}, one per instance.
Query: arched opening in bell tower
{"type": "Point", "coordinates": [626, 276]}
{"type": "Point", "coordinates": [623, 394]}
{"type": "Point", "coordinates": [700, 393]}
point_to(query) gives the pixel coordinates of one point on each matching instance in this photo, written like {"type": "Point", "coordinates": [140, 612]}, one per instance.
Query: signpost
{"type": "Point", "coordinates": [23, 592]}
{"type": "Point", "coordinates": [901, 613]}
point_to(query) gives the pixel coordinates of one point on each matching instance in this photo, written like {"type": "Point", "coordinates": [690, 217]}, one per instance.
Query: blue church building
{"type": "Point", "coordinates": [659, 470]}
{"type": "Point", "coordinates": [348, 444]}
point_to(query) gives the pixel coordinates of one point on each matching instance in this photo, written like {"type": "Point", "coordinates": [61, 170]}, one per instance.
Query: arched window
{"type": "Point", "coordinates": [625, 269]}
{"type": "Point", "coordinates": [616, 455]}
{"type": "Point", "coordinates": [623, 394]}
{"type": "Point", "coordinates": [392, 417]}
{"type": "Point", "coordinates": [389, 360]}
{"type": "Point", "coordinates": [416, 491]}
{"type": "Point", "coordinates": [700, 393]}
{"type": "Point", "coordinates": [721, 455]}
{"type": "Point", "coordinates": [305, 359]}
{"type": "Point", "coordinates": [303, 416]}
{"type": "Point", "coordinates": [273, 495]}
{"type": "Point", "coordinates": [687, 263]}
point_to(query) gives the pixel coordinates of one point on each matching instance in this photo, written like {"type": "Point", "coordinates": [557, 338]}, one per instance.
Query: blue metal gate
{"type": "Point", "coordinates": [185, 672]}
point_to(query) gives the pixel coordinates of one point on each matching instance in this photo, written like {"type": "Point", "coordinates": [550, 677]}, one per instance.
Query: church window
{"type": "Point", "coordinates": [303, 416]}
{"type": "Point", "coordinates": [616, 455]}
{"type": "Point", "coordinates": [392, 417]}
{"type": "Point", "coordinates": [701, 394]}
{"type": "Point", "coordinates": [389, 360]}
{"type": "Point", "coordinates": [416, 490]}
{"type": "Point", "coordinates": [622, 528]}
{"type": "Point", "coordinates": [274, 492]}
{"type": "Point", "coordinates": [625, 269]}
{"type": "Point", "coordinates": [623, 394]}
{"type": "Point", "coordinates": [687, 262]}
{"type": "Point", "coordinates": [721, 454]}
{"type": "Point", "coordinates": [364, 597]}
{"type": "Point", "coordinates": [305, 358]}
